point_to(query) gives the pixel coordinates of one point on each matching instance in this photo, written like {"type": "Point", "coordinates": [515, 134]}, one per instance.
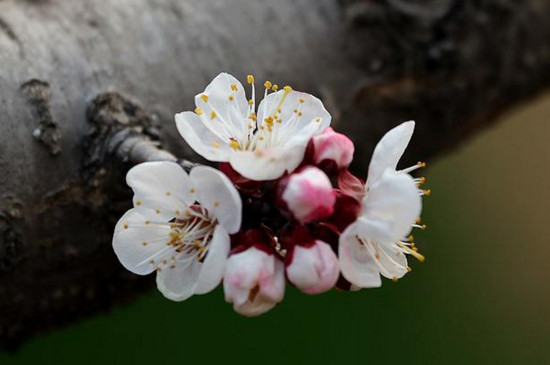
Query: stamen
{"type": "Point", "coordinates": [411, 252]}
{"type": "Point", "coordinates": [198, 111]}
{"type": "Point", "coordinates": [204, 97]}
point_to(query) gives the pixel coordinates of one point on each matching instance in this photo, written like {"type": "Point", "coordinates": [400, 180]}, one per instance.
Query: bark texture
{"type": "Point", "coordinates": [89, 87]}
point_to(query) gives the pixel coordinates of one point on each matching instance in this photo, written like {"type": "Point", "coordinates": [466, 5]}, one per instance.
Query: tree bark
{"type": "Point", "coordinates": [89, 87]}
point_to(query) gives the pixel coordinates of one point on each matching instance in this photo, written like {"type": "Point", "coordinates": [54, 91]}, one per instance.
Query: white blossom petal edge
{"type": "Point", "coordinates": [179, 227]}
{"type": "Point", "coordinates": [262, 146]}
{"type": "Point", "coordinates": [375, 243]}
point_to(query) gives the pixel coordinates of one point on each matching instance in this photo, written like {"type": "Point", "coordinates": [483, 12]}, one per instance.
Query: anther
{"type": "Point", "coordinates": [230, 97]}
{"type": "Point", "coordinates": [427, 192]}
{"type": "Point", "coordinates": [250, 79]}
{"type": "Point", "coordinates": [204, 98]}
{"type": "Point", "coordinates": [287, 89]}
{"type": "Point", "coordinates": [268, 85]}
{"type": "Point", "coordinates": [234, 87]}
{"type": "Point", "coordinates": [212, 115]}
{"type": "Point", "coordinates": [421, 164]}
{"type": "Point", "coordinates": [275, 88]}
{"type": "Point", "coordinates": [198, 111]}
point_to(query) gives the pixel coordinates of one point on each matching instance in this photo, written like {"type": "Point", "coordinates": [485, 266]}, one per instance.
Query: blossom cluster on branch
{"type": "Point", "coordinates": [282, 207]}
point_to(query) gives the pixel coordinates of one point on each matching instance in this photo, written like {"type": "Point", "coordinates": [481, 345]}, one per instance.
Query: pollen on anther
{"type": "Point", "coordinates": [287, 89]}
{"type": "Point", "coordinates": [198, 111]}
{"type": "Point", "coordinates": [421, 164]}
{"type": "Point", "coordinates": [204, 98]}
{"type": "Point", "coordinates": [216, 203]}
{"type": "Point", "coordinates": [230, 97]}
{"type": "Point", "coordinates": [192, 191]}
{"type": "Point", "coordinates": [428, 192]}
{"type": "Point", "coordinates": [250, 101]}
{"type": "Point", "coordinates": [234, 87]}
{"type": "Point", "coordinates": [250, 79]}
{"type": "Point", "coordinates": [138, 202]}
{"type": "Point", "coordinates": [212, 115]}
{"type": "Point", "coordinates": [275, 87]}
{"type": "Point", "coordinates": [302, 101]}
{"type": "Point", "coordinates": [268, 84]}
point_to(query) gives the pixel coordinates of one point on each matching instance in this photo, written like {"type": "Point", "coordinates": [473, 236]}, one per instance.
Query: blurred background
{"type": "Point", "coordinates": [481, 297]}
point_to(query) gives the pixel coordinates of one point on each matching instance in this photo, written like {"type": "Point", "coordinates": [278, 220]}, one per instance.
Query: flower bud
{"type": "Point", "coordinates": [332, 151]}
{"type": "Point", "coordinates": [314, 268]}
{"type": "Point", "coordinates": [254, 281]}
{"type": "Point", "coordinates": [308, 195]}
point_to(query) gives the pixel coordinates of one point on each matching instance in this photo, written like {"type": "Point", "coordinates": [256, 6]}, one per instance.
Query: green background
{"type": "Point", "coordinates": [481, 297]}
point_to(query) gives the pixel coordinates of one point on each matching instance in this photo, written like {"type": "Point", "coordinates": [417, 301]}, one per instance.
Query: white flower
{"type": "Point", "coordinates": [262, 146]}
{"type": "Point", "coordinates": [179, 226]}
{"type": "Point", "coordinates": [375, 243]}
{"type": "Point", "coordinates": [254, 281]}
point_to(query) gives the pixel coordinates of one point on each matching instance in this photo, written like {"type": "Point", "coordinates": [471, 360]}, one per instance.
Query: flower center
{"type": "Point", "coordinates": [191, 235]}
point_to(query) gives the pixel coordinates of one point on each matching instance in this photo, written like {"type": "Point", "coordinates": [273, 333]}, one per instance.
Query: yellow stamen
{"type": "Point", "coordinates": [275, 88]}
{"type": "Point", "coordinates": [204, 98]}
{"type": "Point", "coordinates": [212, 115]}
{"type": "Point", "coordinates": [428, 192]}
{"type": "Point", "coordinates": [234, 87]}
{"type": "Point", "coordinates": [235, 145]}
{"type": "Point", "coordinates": [250, 79]}
{"type": "Point", "coordinates": [268, 85]}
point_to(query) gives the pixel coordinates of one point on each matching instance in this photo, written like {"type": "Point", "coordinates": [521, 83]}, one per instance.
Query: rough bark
{"type": "Point", "coordinates": [89, 87]}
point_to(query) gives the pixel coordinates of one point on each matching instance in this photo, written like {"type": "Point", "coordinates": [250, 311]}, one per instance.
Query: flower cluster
{"type": "Point", "coordinates": [282, 206]}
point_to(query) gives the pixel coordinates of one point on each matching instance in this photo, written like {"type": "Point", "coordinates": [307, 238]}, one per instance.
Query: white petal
{"type": "Point", "coordinates": [219, 196]}
{"type": "Point", "coordinates": [231, 113]}
{"type": "Point", "coordinates": [267, 164]}
{"type": "Point", "coordinates": [311, 109]}
{"type": "Point", "coordinates": [136, 242]}
{"type": "Point", "coordinates": [177, 279]}
{"type": "Point", "coordinates": [357, 264]}
{"type": "Point", "coordinates": [394, 200]}
{"type": "Point", "coordinates": [214, 264]}
{"type": "Point", "coordinates": [389, 150]}
{"type": "Point", "coordinates": [213, 147]}
{"type": "Point", "coordinates": [161, 188]}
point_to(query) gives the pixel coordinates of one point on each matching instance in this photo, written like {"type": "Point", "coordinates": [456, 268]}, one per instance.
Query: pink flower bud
{"type": "Point", "coordinates": [308, 195]}
{"type": "Point", "coordinates": [313, 269]}
{"type": "Point", "coordinates": [254, 281]}
{"type": "Point", "coordinates": [332, 150]}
